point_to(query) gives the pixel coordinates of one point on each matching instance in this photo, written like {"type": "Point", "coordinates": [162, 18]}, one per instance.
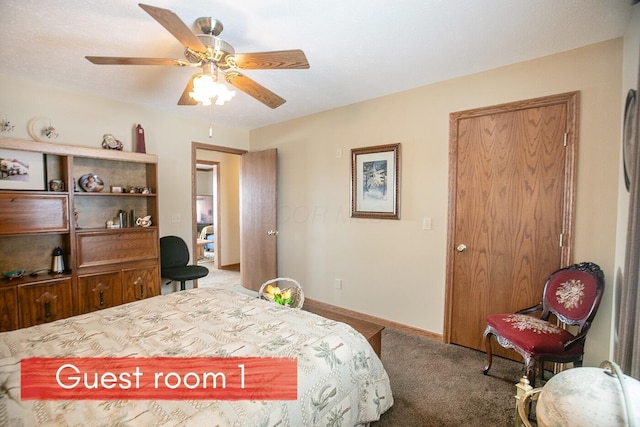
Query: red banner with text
{"type": "Point", "coordinates": [159, 378]}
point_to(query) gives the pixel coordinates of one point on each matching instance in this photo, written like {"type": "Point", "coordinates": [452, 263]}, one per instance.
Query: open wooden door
{"type": "Point", "coordinates": [258, 219]}
{"type": "Point", "coordinates": [511, 212]}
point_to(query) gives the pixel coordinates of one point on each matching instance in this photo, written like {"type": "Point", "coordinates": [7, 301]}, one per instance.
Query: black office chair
{"type": "Point", "coordinates": [174, 259]}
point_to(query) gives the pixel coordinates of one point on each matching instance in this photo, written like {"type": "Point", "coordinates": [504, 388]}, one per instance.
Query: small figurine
{"type": "Point", "coordinates": [110, 142]}
{"type": "Point", "coordinates": [140, 145]}
{"type": "Point", "coordinates": [6, 126]}
{"type": "Point", "coordinates": [50, 132]}
{"type": "Point", "coordinates": [144, 222]}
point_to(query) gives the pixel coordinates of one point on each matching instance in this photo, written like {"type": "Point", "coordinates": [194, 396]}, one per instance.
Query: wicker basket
{"type": "Point", "coordinates": [297, 296]}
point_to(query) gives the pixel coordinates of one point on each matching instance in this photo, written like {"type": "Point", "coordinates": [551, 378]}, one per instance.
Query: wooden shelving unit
{"type": "Point", "coordinates": [104, 266]}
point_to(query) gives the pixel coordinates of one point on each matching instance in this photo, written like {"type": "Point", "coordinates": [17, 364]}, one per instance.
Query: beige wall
{"type": "Point", "coordinates": [394, 269]}
{"type": "Point", "coordinates": [204, 182]}
{"type": "Point", "coordinates": [82, 120]}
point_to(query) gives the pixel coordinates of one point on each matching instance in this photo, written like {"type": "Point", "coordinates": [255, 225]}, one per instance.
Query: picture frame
{"type": "Point", "coordinates": [22, 170]}
{"type": "Point", "coordinates": [628, 137]}
{"type": "Point", "coordinates": [375, 176]}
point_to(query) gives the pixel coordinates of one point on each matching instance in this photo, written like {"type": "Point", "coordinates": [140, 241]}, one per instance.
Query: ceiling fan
{"type": "Point", "coordinates": [215, 56]}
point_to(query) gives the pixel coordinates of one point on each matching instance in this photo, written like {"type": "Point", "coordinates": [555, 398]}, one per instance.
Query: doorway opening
{"type": "Point", "coordinates": [215, 192]}
{"type": "Point", "coordinates": [207, 213]}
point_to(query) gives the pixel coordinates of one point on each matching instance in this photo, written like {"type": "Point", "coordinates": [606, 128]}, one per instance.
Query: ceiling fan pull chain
{"type": "Point", "coordinates": [211, 122]}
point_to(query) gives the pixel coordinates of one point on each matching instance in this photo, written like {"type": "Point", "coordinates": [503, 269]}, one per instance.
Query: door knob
{"type": "Point", "coordinates": [272, 232]}
{"type": "Point", "coordinates": [461, 247]}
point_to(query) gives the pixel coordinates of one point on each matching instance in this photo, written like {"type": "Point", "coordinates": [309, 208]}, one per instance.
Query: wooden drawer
{"type": "Point", "coordinates": [114, 247]}
{"type": "Point", "coordinates": [33, 213]}
{"type": "Point", "coordinates": [140, 283]}
{"type": "Point", "coordinates": [8, 309]}
{"type": "Point", "coordinates": [98, 291]}
{"type": "Point", "coordinates": [45, 302]}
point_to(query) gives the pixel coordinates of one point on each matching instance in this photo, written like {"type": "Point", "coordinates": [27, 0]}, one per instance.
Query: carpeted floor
{"type": "Point", "coordinates": [436, 384]}
{"type": "Point", "coordinates": [433, 384]}
{"type": "Point", "coordinates": [227, 279]}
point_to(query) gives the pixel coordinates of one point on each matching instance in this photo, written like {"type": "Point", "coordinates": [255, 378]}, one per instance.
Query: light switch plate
{"type": "Point", "coordinates": [426, 223]}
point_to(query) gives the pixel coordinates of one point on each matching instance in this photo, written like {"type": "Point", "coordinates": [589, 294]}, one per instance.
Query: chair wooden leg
{"type": "Point", "coordinates": [540, 371]}
{"type": "Point", "coordinates": [487, 346]}
{"type": "Point", "coordinates": [530, 370]}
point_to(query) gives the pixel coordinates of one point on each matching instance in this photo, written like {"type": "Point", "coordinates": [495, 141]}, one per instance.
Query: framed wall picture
{"type": "Point", "coordinates": [22, 170]}
{"type": "Point", "coordinates": [374, 182]}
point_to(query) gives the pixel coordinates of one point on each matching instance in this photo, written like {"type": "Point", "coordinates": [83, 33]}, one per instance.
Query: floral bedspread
{"type": "Point", "coordinates": [341, 381]}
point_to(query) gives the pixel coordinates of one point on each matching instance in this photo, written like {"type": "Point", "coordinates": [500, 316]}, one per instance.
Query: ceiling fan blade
{"type": "Point", "coordinates": [117, 60]}
{"type": "Point", "coordinates": [185, 99]}
{"type": "Point", "coordinates": [254, 89]}
{"type": "Point", "coordinates": [172, 23]}
{"type": "Point", "coordinates": [281, 59]}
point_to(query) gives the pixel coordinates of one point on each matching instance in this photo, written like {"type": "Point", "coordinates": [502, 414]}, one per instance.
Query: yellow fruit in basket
{"type": "Point", "coordinates": [286, 294]}
{"type": "Point", "coordinates": [271, 291]}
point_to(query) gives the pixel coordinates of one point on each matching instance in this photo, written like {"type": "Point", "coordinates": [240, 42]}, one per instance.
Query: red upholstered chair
{"type": "Point", "coordinates": [572, 294]}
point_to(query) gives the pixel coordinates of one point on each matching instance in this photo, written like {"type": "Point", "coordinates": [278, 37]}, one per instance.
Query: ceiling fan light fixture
{"type": "Point", "coordinates": [224, 94]}
{"type": "Point", "coordinates": [206, 88]}
{"type": "Point", "coordinates": [208, 51]}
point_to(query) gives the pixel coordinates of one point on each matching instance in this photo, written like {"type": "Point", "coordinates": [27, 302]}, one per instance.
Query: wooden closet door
{"type": "Point", "coordinates": [511, 209]}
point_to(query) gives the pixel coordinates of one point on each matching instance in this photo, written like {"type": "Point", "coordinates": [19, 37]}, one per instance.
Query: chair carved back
{"type": "Point", "coordinates": [573, 294]}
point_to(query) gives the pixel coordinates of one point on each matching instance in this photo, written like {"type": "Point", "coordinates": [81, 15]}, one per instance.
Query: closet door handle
{"type": "Point", "coordinates": [461, 247]}
{"type": "Point", "coordinates": [272, 232]}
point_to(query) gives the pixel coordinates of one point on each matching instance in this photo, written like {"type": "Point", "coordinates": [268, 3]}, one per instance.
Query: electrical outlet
{"type": "Point", "coordinates": [175, 218]}
{"type": "Point", "coordinates": [338, 284]}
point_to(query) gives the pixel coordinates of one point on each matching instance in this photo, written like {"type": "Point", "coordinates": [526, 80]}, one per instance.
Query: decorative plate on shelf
{"type": "Point", "coordinates": [40, 130]}
{"type": "Point", "coordinates": [91, 183]}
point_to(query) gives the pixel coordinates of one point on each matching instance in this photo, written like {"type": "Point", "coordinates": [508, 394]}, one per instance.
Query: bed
{"type": "Point", "coordinates": [350, 387]}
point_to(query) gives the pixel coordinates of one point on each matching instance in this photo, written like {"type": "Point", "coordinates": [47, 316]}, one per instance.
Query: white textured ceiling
{"type": "Point", "coordinates": [357, 49]}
